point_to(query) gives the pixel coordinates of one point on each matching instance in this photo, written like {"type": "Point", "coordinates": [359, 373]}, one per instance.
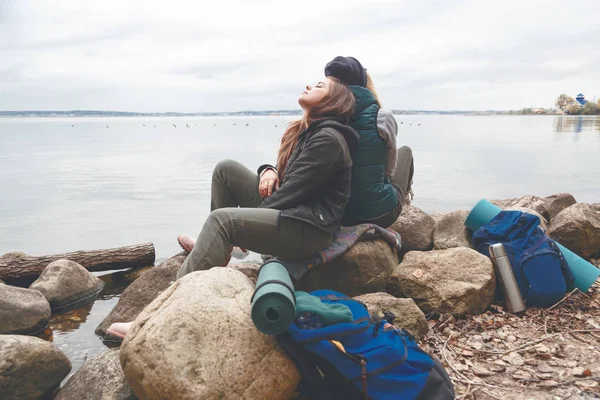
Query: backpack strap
{"type": "Point", "coordinates": [537, 244]}
{"type": "Point", "coordinates": [312, 379]}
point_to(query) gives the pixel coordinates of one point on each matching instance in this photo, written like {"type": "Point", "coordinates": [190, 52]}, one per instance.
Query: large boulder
{"type": "Point", "coordinates": [66, 284]}
{"type": "Point", "coordinates": [459, 281]}
{"type": "Point", "coordinates": [416, 229]}
{"type": "Point", "coordinates": [558, 202]}
{"type": "Point", "coordinates": [534, 203]}
{"type": "Point", "coordinates": [22, 310]}
{"type": "Point", "coordinates": [365, 268]}
{"type": "Point", "coordinates": [450, 231]}
{"type": "Point", "coordinates": [578, 228]}
{"type": "Point", "coordinates": [30, 368]}
{"type": "Point", "coordinates": [141, 292]}
{"type": "Point", "coordinates": [197, 341]}
{"type": "Point", "coordinates": [408, 315]}
{"type": "Point", "coordinates": [99, 378]}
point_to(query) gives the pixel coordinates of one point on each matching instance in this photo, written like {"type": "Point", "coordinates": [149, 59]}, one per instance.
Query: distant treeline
{"type": "Point", "coordinates": [96, 113]}
{"type": "Point", "coordinates": [572, 107]}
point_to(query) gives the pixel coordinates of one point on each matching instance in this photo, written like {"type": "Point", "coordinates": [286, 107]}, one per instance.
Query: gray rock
{"type": "Point", "coordinates": [408, 315]}
{"type": "Point", "coordinates": [415, 228]}
{"type": "Point", "coordinates": [22, 310]}
{"type": "Point", "coordinates": [142, 291]}
{"type": "Point", "coordinates": [250, 269]}
{"type": "Point", "coordinates": [365, 268]}
{"type": "Point", "coordinates": [197, 341]}
{"type": "Point", "coordinates": [450, 231]}
{"type": "Point", "coordinates": [65, 284]}
{"type": "Point", "coordinates": [534, 203]}
{"type": "Point", "coordinates": [459, 281]}
{"type": "Point", "coordinates": [578, 228]}
{"type": "Point", "coordinates": [30, 367]}
{"type": "Point", "coordinates": [99, 378]}
{"type": "Point", "coordinates": [558, 202]}
{"type": "Point", "coordinates": [596, 206]}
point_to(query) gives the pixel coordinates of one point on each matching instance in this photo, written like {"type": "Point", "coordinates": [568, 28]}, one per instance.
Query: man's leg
{"type": "Point", "coordinates": [233, 185]}
{"type": "Point", "coordinates": [257, 229]}
{"type": "Point", "coordinates": [405, 169]}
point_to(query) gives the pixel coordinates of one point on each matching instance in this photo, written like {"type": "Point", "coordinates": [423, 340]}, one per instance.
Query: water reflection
{"type": "Point", "coordinates": [116, 282]}
{"type": "Point", "coordinates": [578, 123]}
{"type": "Point", "coordinates": [70, 321]}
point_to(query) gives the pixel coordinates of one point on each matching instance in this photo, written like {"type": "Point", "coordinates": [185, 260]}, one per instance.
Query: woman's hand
{"type": "Point", "coordinates": [269, 181]}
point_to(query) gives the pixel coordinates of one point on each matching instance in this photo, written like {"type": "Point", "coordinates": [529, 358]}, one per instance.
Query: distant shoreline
{"type": "Point", "coordinates": [94, 113]}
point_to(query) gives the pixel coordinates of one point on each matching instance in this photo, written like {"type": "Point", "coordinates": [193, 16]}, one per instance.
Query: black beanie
{"type": "Point", "coordinates": [348, 70]}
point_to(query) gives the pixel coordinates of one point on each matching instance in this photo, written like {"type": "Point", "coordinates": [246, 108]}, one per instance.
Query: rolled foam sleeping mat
{"type": "Point", "coordinates": [585, 273]}
{"type": "Point", "coordinates": [273, 301]}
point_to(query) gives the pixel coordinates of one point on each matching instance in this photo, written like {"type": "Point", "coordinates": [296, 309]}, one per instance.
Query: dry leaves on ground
{"type": "Point", "coordinates": [545, 354]}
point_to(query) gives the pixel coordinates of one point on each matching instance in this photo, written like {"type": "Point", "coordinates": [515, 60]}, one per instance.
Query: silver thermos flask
{"type": "Point", "coordinates": [504, 273]}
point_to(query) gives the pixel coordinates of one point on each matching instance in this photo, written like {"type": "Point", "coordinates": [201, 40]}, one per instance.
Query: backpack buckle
{"type": "Point", "coordinates": [389, 317]}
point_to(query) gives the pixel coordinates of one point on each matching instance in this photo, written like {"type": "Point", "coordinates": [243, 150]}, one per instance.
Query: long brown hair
{"type": "Point", "coordinates": [339, 101]}
{"type": "Point", "coordinates": [371, 88]}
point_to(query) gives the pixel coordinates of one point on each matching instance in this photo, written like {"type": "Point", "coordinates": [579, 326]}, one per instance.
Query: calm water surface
{"type": "Point", "coordinates": [88, 183]}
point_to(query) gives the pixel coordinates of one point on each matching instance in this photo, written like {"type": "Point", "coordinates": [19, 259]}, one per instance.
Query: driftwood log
{"type": "Point", "coordinates": [18, 265]}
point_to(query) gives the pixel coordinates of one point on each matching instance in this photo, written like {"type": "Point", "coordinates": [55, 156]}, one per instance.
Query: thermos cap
{"type": "Point", "coordinates": [497, 250]}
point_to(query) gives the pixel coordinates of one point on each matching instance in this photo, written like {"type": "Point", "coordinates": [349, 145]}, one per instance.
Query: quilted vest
{"type": "Point", "coordinates": [372, 194]}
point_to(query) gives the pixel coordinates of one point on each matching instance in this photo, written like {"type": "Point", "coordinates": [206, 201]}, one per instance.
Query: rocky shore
{"type": "Point", "coordinates": [193, 338]}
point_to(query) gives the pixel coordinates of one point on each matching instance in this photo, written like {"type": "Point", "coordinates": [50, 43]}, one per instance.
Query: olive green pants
{"type": "Point", "coordinates": [235, 221]}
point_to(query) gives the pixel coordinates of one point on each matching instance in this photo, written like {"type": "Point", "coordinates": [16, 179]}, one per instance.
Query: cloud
{"type": "Point", "coordinates": [235, 55]}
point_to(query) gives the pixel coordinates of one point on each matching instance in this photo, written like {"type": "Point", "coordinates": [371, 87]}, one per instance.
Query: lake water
{"type": "Point", "coordinates": [88, 183]}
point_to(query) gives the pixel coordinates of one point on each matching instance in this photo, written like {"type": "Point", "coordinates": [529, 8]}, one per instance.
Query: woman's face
{"type": "Point", "coordinates": [314, 94]}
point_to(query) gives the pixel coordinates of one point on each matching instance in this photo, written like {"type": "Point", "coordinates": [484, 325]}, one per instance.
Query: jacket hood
{"type": "Point", "coordinates": [340, 124]}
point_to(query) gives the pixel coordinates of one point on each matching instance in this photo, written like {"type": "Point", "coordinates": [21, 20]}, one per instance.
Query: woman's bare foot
{"type": "Point", "coordinates": [119, 329]}
{"type": "Point", "coordinates": [186, 242]}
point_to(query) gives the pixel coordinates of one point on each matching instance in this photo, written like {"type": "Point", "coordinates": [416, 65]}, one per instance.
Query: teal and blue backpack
{"type": "Point", "coordinates": [540, 269]}
{"type": "Point", "coordinates": [367, 358]}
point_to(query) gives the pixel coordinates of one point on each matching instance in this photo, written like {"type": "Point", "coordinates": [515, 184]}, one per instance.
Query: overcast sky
{"type": "Point", "coordinates": [224, 55]}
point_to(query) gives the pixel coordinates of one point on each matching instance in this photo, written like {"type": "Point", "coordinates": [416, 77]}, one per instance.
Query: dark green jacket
{"type": "Point", "coordinates": [316, 183]}
{"type": "Point", "coordinates": [372, 194]}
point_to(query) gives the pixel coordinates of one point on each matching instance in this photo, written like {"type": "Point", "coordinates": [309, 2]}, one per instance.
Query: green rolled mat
{"type": "Point", "coordinates": [585, 273]}
{"type": "Point", "coordinates": [273, 301]}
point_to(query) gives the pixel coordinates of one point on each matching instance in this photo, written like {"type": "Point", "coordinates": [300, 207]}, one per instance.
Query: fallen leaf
{"type": "Point", "coordinates": [593, 323]}
{"type": "Point", "coordinates": [481, 371]}
{"type": "Point", "coordinates": [544, 368]}
{"type": "Point", "coordinates": [514, 359]}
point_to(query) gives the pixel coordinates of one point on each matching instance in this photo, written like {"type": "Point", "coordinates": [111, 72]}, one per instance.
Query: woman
{"type": "Point", "coordinates": [291, 211]}
{"type": "Point", "coordinates": [381, 174]}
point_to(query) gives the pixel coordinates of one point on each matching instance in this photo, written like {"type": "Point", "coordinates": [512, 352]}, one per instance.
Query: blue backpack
{"type": "Point", "coordinates": [540, 269]}
{"type": "Point", "coordinates": [367, 358]}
